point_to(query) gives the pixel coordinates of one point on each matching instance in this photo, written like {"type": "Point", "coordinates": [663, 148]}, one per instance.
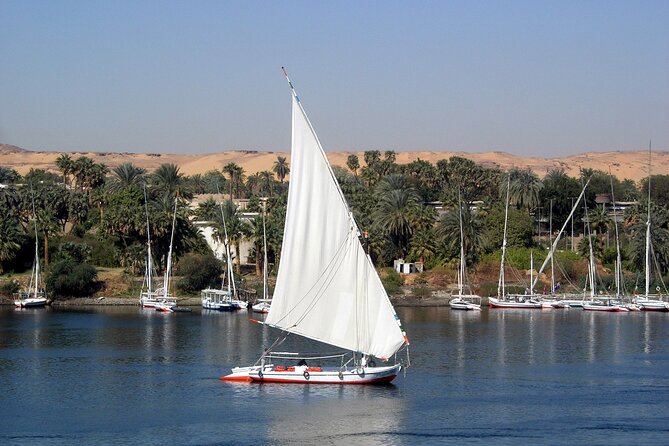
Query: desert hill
{"type": "Point", "coordinates": [632, 165]}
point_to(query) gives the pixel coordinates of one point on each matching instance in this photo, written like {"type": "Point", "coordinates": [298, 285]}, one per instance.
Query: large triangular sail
{"type": "Point", "coordinates": [327, 288]}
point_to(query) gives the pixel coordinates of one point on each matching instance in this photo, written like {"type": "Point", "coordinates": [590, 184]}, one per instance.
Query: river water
{"type": "Point", "coordinates": [122, 375]}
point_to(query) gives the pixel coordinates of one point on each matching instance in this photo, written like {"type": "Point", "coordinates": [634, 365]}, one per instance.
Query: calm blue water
{"type": "Point", "coordinates": [128, 376]}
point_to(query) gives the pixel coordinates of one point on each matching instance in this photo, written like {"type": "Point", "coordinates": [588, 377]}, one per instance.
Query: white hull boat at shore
{"type": "Point", "coordinates": [30, 302]}
{"type": "Point", "coordinates": [524, 304]}
{"type": "Point", "coordinates": [461, 303]}
{"type": "Point", "coordinates": [602, 306]}
{"type": "Point", "coordinates": [646, 304]}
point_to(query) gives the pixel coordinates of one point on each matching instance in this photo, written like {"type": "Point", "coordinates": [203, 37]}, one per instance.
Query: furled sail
{"type": "Point", "coordinates": [327, 288]}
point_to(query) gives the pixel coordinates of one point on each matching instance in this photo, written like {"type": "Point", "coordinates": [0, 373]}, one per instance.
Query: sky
{"type": "Point", "coordinates": [532, 78]}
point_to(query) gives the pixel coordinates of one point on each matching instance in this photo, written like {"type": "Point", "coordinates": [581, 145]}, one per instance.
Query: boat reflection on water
{"type": "Point", "coordinates": [326, 415]}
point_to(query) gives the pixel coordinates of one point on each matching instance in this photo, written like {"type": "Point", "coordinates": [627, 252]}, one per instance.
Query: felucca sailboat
{"type": "Point", "coordinates": [34, 295]}
{"type": "Point", "coordinates": [327, 288]}
{"type": "Point", "coordinates": [464, 301]}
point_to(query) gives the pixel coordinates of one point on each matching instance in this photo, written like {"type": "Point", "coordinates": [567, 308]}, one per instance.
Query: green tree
{"type": "Point", "coordinates": [525, 188]}
{"type": "Point", "coordinates": [353, 163]}
{"type": "Point", "coordinates": [8, 176]}
{"type": "Point", "coordinates": [166, 180]}
{"type": "Point", "coordinates": [266, 182]}
{"type": "Point", "coordinates": [198, 271]}
{"type": "Point", "coordinates": [11, 238]}
{"type": "Point", "coordinates": [65, 164]}
{"type": "Point", "coordinates": [474, 233]}
{"type": "Point", "coordinates": [233, 170]}
{"type": "Point", "coordinates": [70, 278]}
{"type": "Point", "coordinates": [281, 168]}
{"type": "Point", "coordinates": [125, 176]}
{"type": "Point", "coordinates": [396, 202]}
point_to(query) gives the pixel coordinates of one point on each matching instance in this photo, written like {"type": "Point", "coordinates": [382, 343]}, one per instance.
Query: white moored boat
{"type": "Point", "coordinates": [649, 302]}
{"type": "Point", "coordinates": [33, 296]}
{"type": "Point", "coordinates": [604, 305]}
{"type": "Point", "coordinates": [467, 302]}
{"type": "Point", "coordinates": [263, 305]}
{"type": "Point", "coordinates": [222, 299]}
{"type": "Point", "coordinates": [166, 303]}
{"type": "Point", "coordinates": [150, 297]}
{"type": "Point", "coordinates": [326, 288]}
{"type": "Point", "coordinates": [504, 300]}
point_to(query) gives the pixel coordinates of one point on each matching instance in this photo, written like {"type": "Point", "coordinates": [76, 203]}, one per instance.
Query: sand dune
{"type": "Point", "coordinates": [632, 165]}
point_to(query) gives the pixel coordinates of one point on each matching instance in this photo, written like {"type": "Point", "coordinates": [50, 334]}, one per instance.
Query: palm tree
{"type": "Point", "coordinates": [474, 231]}
{"type": "Point", "coordinates": [524, 189]}
{"type": "Point", "coordinates": [422, 245]}
{"type": "Point", "coordinates": [281, 168]}
{"type": "Point", "coordinates": [66, 165]}
{"type": "Point", "coordinates": [197, 184]}
{"type": "Point", "coordinates": [353, 163]}
{"type": "Point", "coordinates": [396, 202]}
{"type": "Point", "coordinates": [266, 178]}
{"type": "Point", "coordinates": [659, 240]}
{"type": "Point", "coordinates": [255, 235]}
{"type": "Point", "coordinates": [167, 180]}
{"type": "Point", "coordinates": [600, 222]}
{"type": "Point", "coordinates": [126, 175]}
{"type": "Point", "coordinates": [232, 170]}
{"type": "Point", "coordinates": [10, 239]}
{"type": "Point", "coordinates": [253, 183]}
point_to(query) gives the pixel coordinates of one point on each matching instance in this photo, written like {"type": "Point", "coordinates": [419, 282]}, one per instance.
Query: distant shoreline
{"type": "Point", "coordinates": [195, 302]}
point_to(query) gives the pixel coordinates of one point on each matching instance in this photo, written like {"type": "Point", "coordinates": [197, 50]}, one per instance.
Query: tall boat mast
{"type": "Point", "coordinates": [647, 258]}
{"type": "Point", "coordinates": [500, 283]}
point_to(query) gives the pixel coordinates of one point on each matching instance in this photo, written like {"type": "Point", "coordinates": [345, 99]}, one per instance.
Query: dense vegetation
{"type": "Point", "coordinates": [89, 216]}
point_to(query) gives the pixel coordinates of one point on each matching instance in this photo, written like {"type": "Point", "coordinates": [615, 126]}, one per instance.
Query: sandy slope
{"type": "Point", "coordinates": [633, 165]}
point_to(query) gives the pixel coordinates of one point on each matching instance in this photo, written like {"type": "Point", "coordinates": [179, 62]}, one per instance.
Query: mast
{"type": "Point", "coordinates": [168, 270]}
{"type": "Point", "coordinates": [550, 238]}
{"type": "Point", "coordinates": [461, 275]}
{"type": "Point", "coordinates": [592, 257]}
{"type": "Point", "coordinates": [618, 268]}
{"type": "Point", "coordinates": [36, 267]}
{"type": "Point", "coordinates": [500, 284]}
{"type": "Point", "coordinates": [228, 263]}
{"type": "Point", "coordinates": [264, 246]}
{"type": "Point", "coordinates": [557, 239]}
{"type": "Point", "coordinates": [149, 257]}
{"type": "Point", "coordinates": [647, 258]}
{"type": "Point", "coordinates": [531, 271]}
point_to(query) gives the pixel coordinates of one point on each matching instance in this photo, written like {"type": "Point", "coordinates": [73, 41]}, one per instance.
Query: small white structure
{"type": "Point", "coordinates": [403, 267]}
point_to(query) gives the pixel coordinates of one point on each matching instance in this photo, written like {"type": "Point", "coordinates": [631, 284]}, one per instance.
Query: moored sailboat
{"type": "Point", "coordinates": [221, 299]}
{"type": "Point", "coordinates": [150, 297]}
{"type": "Point", "coordinates": [504, 300]}
{"type": "Point", "coordinates": [34, 295]}
{"type": "Point", "coordinates": [327, 288]}
{"type": "Point", "coordinates": [168, 304]}
{"type": "Point", "coordinates": [464, 301]}
{"type": "Point", "coordinates": [649, 302]}
{"type": "Point", "coordinates": [263, 305]}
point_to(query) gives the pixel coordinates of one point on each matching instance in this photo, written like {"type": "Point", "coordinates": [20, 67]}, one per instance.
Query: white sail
{"type": "Point", "coordinates": [327, 288]}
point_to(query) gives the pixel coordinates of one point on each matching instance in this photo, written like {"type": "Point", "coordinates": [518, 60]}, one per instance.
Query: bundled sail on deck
{"type": "Point", "coordinates": [327, 288]}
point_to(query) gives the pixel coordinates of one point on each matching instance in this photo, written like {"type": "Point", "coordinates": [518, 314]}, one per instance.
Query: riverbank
{"type": "Point", "coordinates": [404, 301]}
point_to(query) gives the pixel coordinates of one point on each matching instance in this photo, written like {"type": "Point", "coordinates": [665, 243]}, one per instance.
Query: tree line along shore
{"type": "Point", "coordinates": [91, 224]}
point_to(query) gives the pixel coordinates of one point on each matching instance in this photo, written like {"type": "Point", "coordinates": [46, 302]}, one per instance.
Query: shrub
{"type": "Point", "coordinates": [10, 287]}
{"type": "Point", "coordinates": [69, 278]}
{"type": "Point", "coordinates": [420, 292]}
{"type": "Point", "coordinates": [392, 281]}
{"type": "Point", "coordinates": [198, 271]}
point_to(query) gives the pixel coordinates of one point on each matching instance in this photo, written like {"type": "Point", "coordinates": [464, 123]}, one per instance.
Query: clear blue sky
{"type": "Point", "coordinates": [545, 78]}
